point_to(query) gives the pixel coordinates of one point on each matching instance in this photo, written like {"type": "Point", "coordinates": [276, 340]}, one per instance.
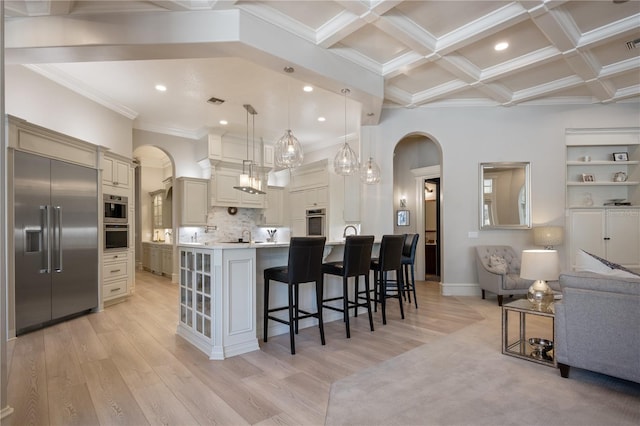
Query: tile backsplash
{"type": "Point", "coordinates": [231, 227]}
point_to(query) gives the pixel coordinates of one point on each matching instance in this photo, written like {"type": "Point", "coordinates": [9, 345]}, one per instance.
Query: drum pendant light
{"type": "Point", "coordinates": [287, 150]}
{"type": "Point", "coordinates": [345, 162]}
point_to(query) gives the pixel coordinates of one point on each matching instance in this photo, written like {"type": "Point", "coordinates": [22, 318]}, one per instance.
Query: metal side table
{"type": "Point", "coordinates": [521, 348]}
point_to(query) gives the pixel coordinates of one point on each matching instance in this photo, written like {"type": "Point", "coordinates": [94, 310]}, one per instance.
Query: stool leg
{"type": "Point", "coordinates": [357, 296]}
{"type": "Point", "coordinates": [383, 295]}
{"type": "Point", "coordinates": [319, 293]}
{"type": "Point", "coordinates": [345, 305]}
{"type": "Point", "coordinates": [366, 286]}
{"type": "Point", "coordinates": [265, 321]}
{"type": "Point", "coordinates": [400, 285]}
{"type": "Point", "coordinates": [376, 289]}
{"type": "Point", "coordinates": [291, 320]}
{"type": "Point", "coordinates": [406, 291]}
{"type": "Point", "coordinates": [413, 284]}
{"type": "Point", "coordinates": [296, 308]}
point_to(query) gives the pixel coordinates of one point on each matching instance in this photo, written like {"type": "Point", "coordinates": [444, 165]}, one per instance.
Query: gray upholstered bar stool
{"type": "Point", "coordinates": [356, 262]}
{"type": "Point", "coordinates": [304, 266]}
{"type": "Point", "coordinates": [408, 262]}
{"type": "Point", "coordinates": [390, 259]}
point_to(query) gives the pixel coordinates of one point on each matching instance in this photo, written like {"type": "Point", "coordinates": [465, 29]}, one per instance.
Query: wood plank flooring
{"type": "Point", "coordinates": [127, 366]}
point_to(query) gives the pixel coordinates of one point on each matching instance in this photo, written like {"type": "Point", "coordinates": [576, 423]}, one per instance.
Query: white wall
{"type": "Point", "coordinates": [469, 136]}
{"type": "Point", "coordinates": [34, 98]}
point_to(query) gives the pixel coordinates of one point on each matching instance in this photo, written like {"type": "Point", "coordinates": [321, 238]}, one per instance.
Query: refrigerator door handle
{"type": "Point", "coordinates": [45, 229]}
{"type": "Point", "coordinates": [58, 237]}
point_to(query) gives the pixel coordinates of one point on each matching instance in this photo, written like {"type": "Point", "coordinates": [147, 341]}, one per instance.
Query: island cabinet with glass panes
{"type": "Point", "coordinates": [217, 299]}
{"type": "Point", "coordinates": [603, 194]}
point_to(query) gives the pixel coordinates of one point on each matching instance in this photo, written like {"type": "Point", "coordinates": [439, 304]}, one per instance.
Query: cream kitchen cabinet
{"type": "Point", "coordinates": [116, 268]}
{"type": "Point", "coordinates": [116, 171]}
{"type": "Point", "coordinates": [157, 258]}
{"type": "Point", "coordinates": [611, 233]}
{"type": "Point", "coordinates": [273, 214]}
{"type": "Point", "coordinates": [160, 210]}
{"type": "Point", "coordinates": [224, 194]}
{"type": "Point", "coordinates": [194, 201]}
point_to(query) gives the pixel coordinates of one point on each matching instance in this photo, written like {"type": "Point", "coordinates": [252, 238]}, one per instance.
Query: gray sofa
{"type": "Point", "coordinates": [597, 325]}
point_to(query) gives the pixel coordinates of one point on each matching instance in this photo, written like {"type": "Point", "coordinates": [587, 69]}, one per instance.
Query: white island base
{"type": "Point", "coordinates": [218, 299]}
{"type": "Point", "coordinates": [221, 295]}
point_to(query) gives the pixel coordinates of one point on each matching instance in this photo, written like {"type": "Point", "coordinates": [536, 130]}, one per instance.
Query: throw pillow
{"type": "Point", "coordinates": [589, 262]}
{"type": "Point", "coordinates": [497, 264]}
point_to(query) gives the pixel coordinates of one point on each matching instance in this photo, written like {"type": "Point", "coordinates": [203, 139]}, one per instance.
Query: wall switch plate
{"type": "Point", "coordinates": [473, 234]}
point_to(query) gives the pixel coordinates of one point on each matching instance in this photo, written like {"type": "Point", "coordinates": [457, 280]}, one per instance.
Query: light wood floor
{"type": "Point", "coordinates": [126, 365]}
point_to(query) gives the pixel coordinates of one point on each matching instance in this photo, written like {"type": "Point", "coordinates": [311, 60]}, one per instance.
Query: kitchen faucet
{"type": "Point", "coordinates": [355, 230]}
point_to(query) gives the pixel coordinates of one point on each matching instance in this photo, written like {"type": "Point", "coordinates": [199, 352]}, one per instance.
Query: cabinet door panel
{"type": "Point", "coordinates": [623, 231]}
{"type": "Point", "coordinates": [587, 232]}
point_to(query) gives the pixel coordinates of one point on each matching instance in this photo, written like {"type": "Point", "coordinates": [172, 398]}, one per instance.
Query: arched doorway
{"type": "Point", "coordinates": [417, 163]}
{"type": "Point", "coordinates": [154, 203]}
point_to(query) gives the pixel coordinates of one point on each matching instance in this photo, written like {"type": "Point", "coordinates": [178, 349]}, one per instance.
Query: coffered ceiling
{"type": "Point", "coordinates": [389, 53]}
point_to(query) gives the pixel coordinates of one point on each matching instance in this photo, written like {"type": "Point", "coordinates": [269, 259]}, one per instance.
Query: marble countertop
{"type": "Point", "coordinates": [254, 244]}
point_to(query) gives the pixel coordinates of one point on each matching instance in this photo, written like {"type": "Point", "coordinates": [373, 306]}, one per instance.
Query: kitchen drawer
{"type": "Point", "coordinates": [115, 270]}
{"type": "Point", "coordinates": [115, 256]}
{"type": "Point", "coordinates": [114, 289]}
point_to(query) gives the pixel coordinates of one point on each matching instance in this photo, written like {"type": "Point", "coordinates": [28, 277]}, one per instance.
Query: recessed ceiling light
{"type": "Point", "coordinates": [321, 119]}
{"type": "Point", "coordinates": [308, 88]}
{"type": "Point", "coordinates": [161, 88]}
{"type": "Point", "coordinates": [224, 122]}
{"type": "Point", "coordinates": [501, 46]}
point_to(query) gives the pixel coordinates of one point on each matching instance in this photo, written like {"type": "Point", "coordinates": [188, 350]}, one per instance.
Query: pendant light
{"type": "Point", "coordinates": [370, 172]}
{"type": "Point", "coordinates": [345, 162]}
{"type": "Point", "coordinates": [288, 151]}
{"type": "Point", "coordinates": [250, 180]}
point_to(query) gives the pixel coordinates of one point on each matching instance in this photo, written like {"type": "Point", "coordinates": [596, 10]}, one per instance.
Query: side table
{"type": "Point", "coordinates": [521, 348]}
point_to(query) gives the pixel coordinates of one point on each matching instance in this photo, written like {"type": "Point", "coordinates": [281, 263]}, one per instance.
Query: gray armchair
{"type": "Point", "coordinates": [497, 279]}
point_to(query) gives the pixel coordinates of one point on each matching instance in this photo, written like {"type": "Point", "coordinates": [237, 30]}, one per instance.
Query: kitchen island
{"type": "Point", "coordinates": [221, 294]}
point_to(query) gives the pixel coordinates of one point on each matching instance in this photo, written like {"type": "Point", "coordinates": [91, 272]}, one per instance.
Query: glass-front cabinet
{"type": "Point", "coordinates": [217, 300]}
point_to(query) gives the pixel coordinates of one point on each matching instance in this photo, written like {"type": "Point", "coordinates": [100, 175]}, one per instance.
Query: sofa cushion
{"type": "Point", "coordinates": [589, 262]}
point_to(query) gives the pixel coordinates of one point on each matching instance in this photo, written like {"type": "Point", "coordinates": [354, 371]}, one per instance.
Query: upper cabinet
{"type": "Point", "coordinates": [160, 209]}
{"type": "Point", "coordinates": [602, 167]}
{"type": "Point", "coordinates": [273, 214]}
{"type": "Point", "coordinates": [224, 194]}
{"type": "Point", "coordinates": [115, 171]}
{"type": "Point", "coordinates": [193, 196]}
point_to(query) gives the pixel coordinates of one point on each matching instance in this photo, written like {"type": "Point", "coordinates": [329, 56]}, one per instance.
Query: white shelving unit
{"type": "Point", "coordinates": [609, 231]}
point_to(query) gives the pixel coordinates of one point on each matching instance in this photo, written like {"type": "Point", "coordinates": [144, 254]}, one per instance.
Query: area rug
{"type": "Point", "coordinates": [464, 379]}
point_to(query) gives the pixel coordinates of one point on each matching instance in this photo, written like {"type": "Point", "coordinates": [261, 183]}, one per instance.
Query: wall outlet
{"type": "Point", "coordinates": [473, 234]}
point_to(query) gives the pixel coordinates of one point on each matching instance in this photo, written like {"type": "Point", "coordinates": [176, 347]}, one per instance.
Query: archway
{"type": "Point", "coordinates": [155, 212]}
{"type": "Point", "coordinates": [417, 158]}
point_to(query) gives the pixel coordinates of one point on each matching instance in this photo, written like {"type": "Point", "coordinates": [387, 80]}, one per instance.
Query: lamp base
{"type": "Point", "coordinates": [540, 294]}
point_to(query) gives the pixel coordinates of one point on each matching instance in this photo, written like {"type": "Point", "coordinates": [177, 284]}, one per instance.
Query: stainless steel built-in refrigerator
{"type": "Point", "coordinates": [56, 240]}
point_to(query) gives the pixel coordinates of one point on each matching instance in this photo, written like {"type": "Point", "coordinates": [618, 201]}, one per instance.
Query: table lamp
{"type": "Point", "coordinates": [541, 266]}
{"type": "Point", "coordinates": [548, 236]}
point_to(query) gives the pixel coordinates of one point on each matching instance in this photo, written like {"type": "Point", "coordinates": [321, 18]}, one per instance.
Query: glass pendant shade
{"type": "Point", "coordinates": [250, 180]}
{"type": "Point", "coordinates": [345, 162]}
{"type": "Point", "coordinates": [370, 172]}
{"type": "Point", "coordinates": [288, 151]}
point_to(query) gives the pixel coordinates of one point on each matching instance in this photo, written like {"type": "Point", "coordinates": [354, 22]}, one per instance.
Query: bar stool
{"type": "Point", "coordinates": [390, 259]}
{"type": "Point", "coordinates": [356, 262]}
{"type": "Point", "coordinates": [304, 266]}
{"type": "Point", "coordinates": [408, 261]}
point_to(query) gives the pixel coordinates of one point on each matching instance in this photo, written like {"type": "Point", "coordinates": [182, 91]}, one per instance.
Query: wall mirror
{"type": "Point", "coordinates": [505, 196]}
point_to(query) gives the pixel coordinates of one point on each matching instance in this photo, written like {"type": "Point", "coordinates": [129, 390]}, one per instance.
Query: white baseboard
{"type": "Point", "coordinates": [461, 289]}
{"type": "Point", "coordinates": [6, 412]}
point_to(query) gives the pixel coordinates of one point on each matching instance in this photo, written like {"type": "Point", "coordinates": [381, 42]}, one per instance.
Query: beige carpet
{"type": "Point", "coordinates": [463, 379]}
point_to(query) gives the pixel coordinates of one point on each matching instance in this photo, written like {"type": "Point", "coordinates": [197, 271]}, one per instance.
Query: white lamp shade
{"type": "Point", "coordinates": [540, 265]}
{"type": "Point", "coordinates": [547, 235]}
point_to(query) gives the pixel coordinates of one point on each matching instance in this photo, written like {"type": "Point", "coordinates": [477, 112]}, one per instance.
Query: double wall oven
{"type": "Point", "coordinates": [116, 227]}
